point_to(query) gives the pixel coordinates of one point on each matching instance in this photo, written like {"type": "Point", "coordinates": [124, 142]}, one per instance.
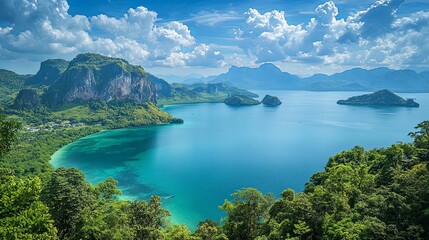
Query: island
{"type": "Point", "coordinates": [271, 101]}
{"type": "Point", "coordinates": [241, 100]}
{"type": "Point", "coordinates": [380, 98]}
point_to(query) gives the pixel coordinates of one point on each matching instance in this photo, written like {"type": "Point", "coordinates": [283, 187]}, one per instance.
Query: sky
{"type": "Point", "coordinates": [170, 37]}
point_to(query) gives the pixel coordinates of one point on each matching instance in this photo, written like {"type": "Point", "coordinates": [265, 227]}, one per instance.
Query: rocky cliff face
{"type": "Point", "coordinates": [163, 89]}
{"type": "Point", "coordinates": [96, 77]}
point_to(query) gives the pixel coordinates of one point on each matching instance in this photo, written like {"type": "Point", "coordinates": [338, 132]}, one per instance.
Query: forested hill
{"type": "Point", "coordinates": [380, 98]}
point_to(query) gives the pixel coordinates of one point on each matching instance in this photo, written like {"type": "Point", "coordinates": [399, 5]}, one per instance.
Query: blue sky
{"type": "Point", "coordinates": [207, 37]}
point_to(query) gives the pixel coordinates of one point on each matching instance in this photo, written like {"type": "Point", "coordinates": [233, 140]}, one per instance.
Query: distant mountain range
{"type": "Point", "coordinates": [269, 76]}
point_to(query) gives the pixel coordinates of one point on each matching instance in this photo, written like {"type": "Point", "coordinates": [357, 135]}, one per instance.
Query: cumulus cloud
{"type": "Point", "coordinates": [377, 19]}
{"type": "Point", "coordinates": [374, 36]}
{"type": "Point", "coordinates": [41, 27]}
{"type": "Point", "coordinates": [45, 28]}
{"type": "Point", "coordinates": [201, 55]}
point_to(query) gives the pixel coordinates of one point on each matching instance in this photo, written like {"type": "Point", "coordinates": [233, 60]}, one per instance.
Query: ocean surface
{"type": "Point", "coordinates": [219, 149]}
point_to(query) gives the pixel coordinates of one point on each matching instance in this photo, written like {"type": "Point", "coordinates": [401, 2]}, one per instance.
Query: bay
{"type": "Point", "coordinates": [220, 149]}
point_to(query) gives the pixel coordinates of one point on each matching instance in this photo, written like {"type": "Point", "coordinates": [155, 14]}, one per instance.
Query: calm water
{"type": "Point", "coordinates": [220, 149]}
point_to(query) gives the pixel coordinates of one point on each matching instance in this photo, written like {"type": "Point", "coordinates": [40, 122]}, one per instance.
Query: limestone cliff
{"type": "Point", "coordinates": [96, 77]}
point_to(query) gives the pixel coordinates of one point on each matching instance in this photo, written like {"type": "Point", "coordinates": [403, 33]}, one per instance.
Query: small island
{"type": "Point", "coordinates": [380, 98]}
{"type": "Point", "coordinates": [271, 101]}
{"type": "Point", "coordinates": [240, 100]}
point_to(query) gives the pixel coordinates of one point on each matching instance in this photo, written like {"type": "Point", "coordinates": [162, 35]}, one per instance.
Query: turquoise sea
{"type": "Point", "coordinates": [219, 149]}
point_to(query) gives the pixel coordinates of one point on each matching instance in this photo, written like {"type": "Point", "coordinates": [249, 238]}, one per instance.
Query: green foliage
{"type": "Point", "coordinates": [107, 190]}
{"type": "Point", "coordinates": [27, 99]}
{"type": "Point", "coordinates": [106, 221]}
{"type": "Point", "coordinates": [34, 149]}
{"type": "Point", "coordinates": [114, 114]}
{"type": "Point", "coordinates": [10, 84]}
{"type": "Point", "coordinates": [22, 214]}
{"type": "Point", "coordinates": [421, 140]}
{"type": "Point", "coordinates": [245, 213]}
{"type": "Point", "coordinates": [8, 133]}
{"type": "Point", "coordinates": [97, 61]}
{"type": "Point", "coordinates": [148, 218]}
{"type": "Point", "coordinates": [208, 230]}
{"type": "Point", "coordinates": [177, 232]}
{"type": "Point", "coordinates": [67, 195]}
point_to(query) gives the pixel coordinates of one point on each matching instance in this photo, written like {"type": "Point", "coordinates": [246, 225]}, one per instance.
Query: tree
{"type": "Point", "coordinates": [107, 190]}
{"type": "Point", "coordinates": [421, 139]}
{"type": "Point", "coordinates": [8, 133]}
{"type": "Point", "coordinates": [291, 216]}
{"type": "Point", "coordinates": [178, 232]}
{"type": "Point", "coordinates": [246, 213]}
{"type": "Point", "coordinates": [148, 218]}
{"type": "Point", "coordinates": [108, 220]}
{"type": "Point", "coordinates": [208, 230]}
{"type": "Point", "coordinates": [22, 214]}
{"type": "Point", "coordinates": [67, 195]}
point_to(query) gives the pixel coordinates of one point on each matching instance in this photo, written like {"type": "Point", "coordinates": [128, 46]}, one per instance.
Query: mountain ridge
{"type": "Point", "coordinates": [269, 77]}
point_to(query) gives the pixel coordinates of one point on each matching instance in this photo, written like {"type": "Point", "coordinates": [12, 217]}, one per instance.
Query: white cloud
{"type": "Point", "coordinates": [213, 18]}
{"type": "Point", "coordinates": [269, 36]}
{"type": "Point", "coordinates": [45, 28]}
{"type": "Point", "coordinates": [201, 55]}
{"type": "Point", "coordinates": [375, 36]}
{"type": "Point", "coordinates": [41, 27]}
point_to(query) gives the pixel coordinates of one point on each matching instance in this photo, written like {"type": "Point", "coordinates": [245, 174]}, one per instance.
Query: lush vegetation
{"type": "Point", "coordinates": [101, 64]}
{"type": "Point", "coordinates": [113, 114]}
{"type": "Point", "coordinates": [27, 99]}
{"type": "Point", "coordinates": [10, 84]}
{"type": "Point", "coordinates": [240, 100]}
{"type": "Point", "coordinates": [31, 153]}
{"type": "Point", "coordinates": [380, 98]}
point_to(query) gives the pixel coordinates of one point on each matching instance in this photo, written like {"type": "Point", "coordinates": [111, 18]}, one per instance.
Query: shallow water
{"type": "Point", "coordinates": [220, 149]}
